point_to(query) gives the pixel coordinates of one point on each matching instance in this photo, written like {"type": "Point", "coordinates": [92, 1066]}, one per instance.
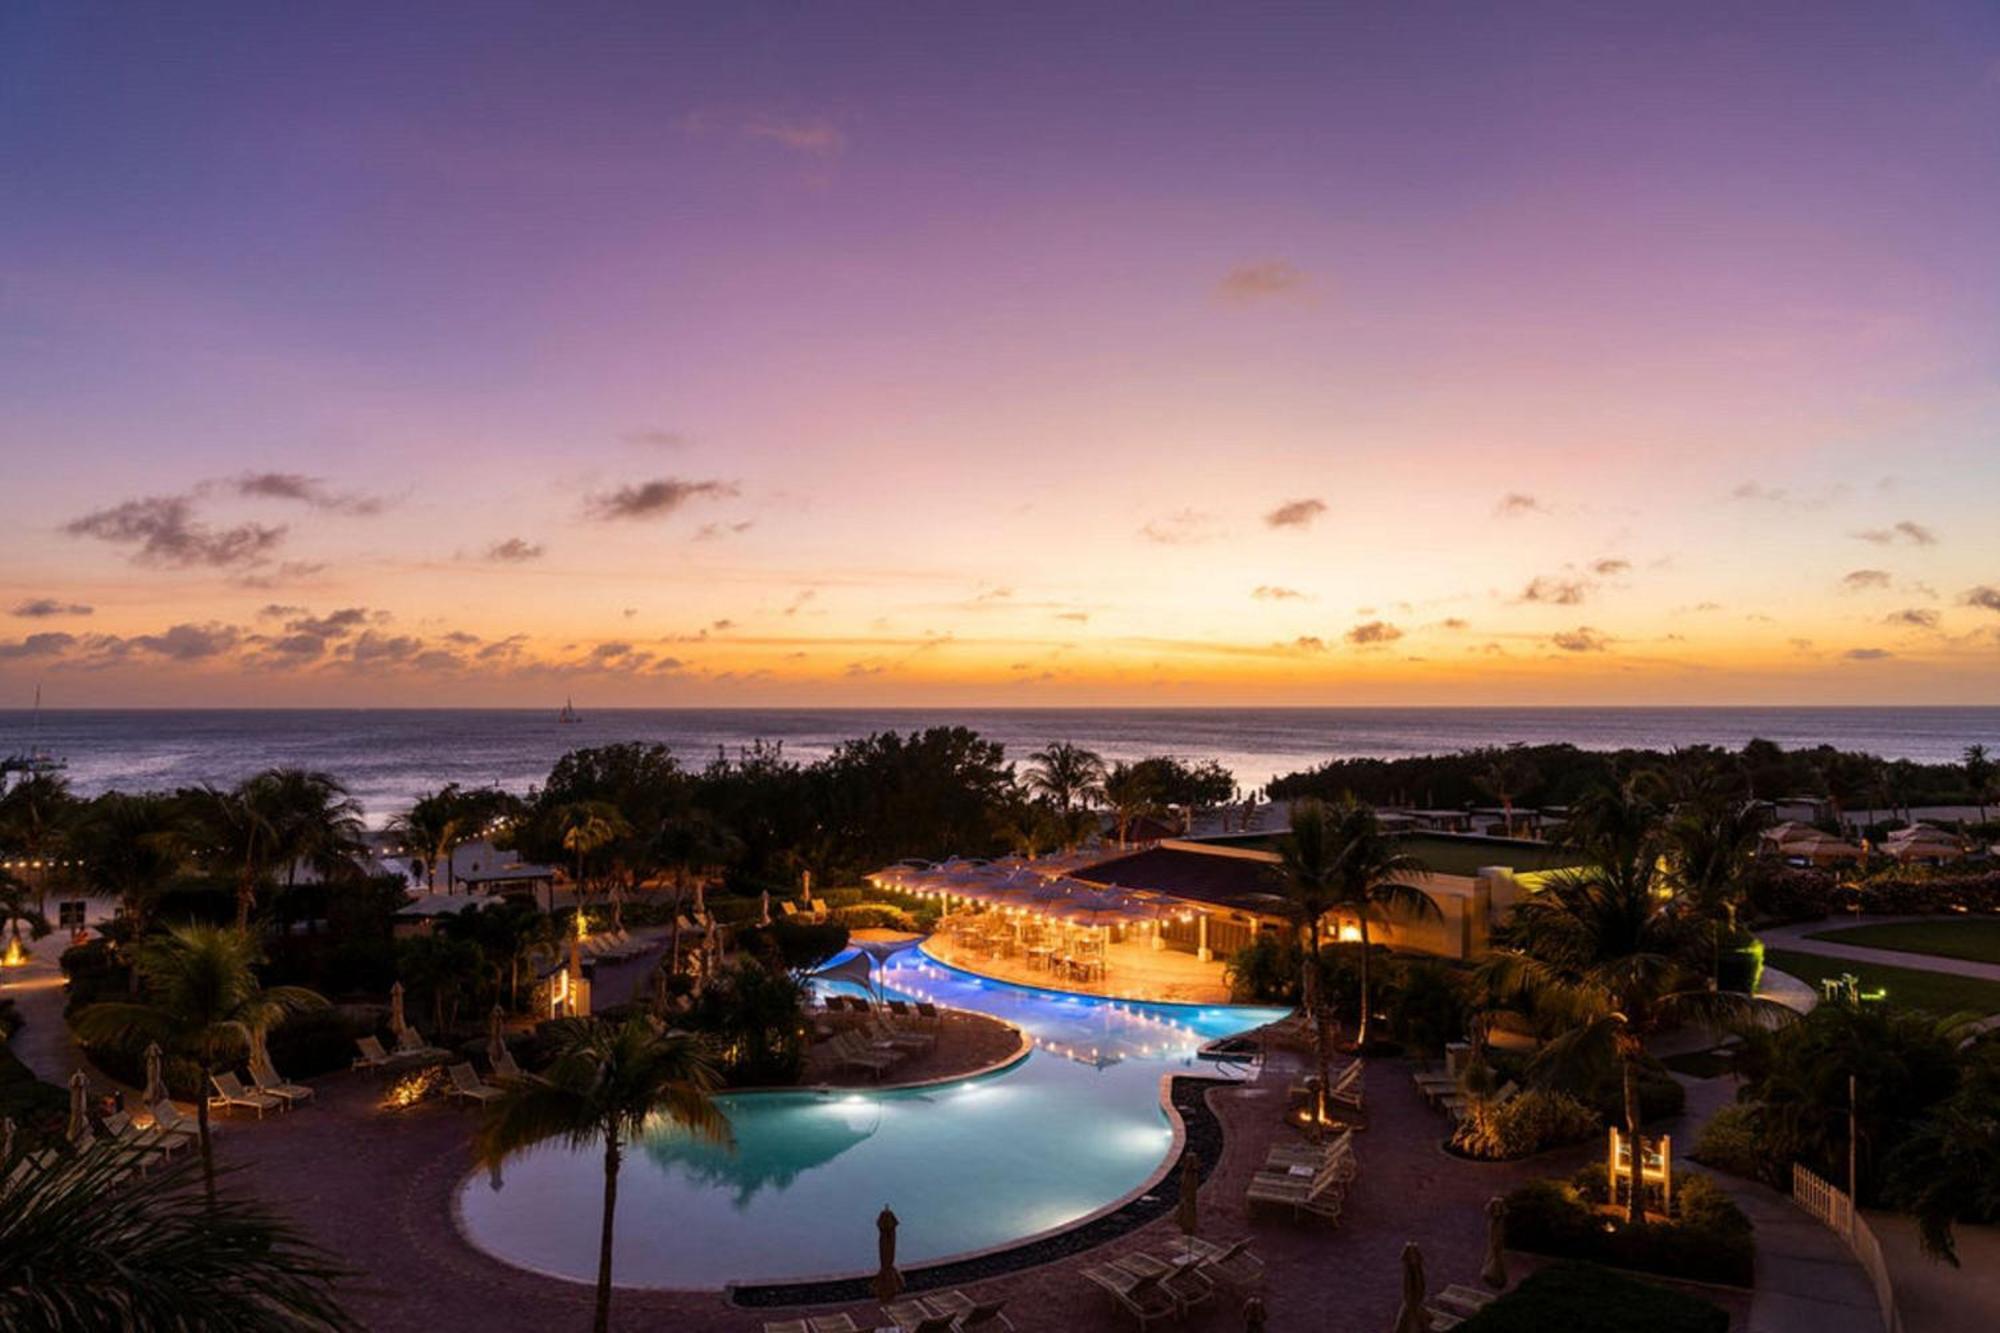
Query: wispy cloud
{"type": "Point", "coordinates": [1189, 527]}
{"type": "Point", "coordinates": [1373, 632]}
{"type": "Point", "coordinates": [1582, 639]}
{"type": "Point", "coordinates": [1859, 579]}
{"type": "Point", "coordinates": [654, 499]}
{"type": "Point", "coordinates": [1906, 530]}
{"type": "Point", "coordinates": [1609, 567]}
{"type": "Point", "coordinates": [1866, 654]}
{"type": "Point", "coordinates": [1984, 597]}
{"type": "Point", "coordinates": [1271, 592]}
{"type": "Point", "coordinates": [312, 492]}
{"type": "Point", "coordinates": [43, 608]}
{"type": "Point", "coordinates": [811, 136]}
{"type": "Point", "coordinates": [162, 530]}
{"type": "Point", "coordinates": [709, 532]}
{"type": "Point", "coordinates": [654, 438]}
{"type": "Point", "coordinates": [1554, 592]}
{"type": "Point", "coordinates": [1262, 280]}
{"type": "Point", "coordinates": [1915, 617]}
{"type": "Point", "coordinates": [1514, 504]}
{"type": "Point", "coordinates": [1295, 513]}
{"type": "Point", "coordinates": [514, 551]}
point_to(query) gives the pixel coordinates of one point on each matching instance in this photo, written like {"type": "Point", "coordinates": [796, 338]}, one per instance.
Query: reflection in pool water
{"type": "Point", "coordinates": [966, 1166]}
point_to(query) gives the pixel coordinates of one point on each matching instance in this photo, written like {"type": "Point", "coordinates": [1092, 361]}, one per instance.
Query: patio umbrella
{"type": "Point", "coordinates": [617, 906]}
{"type": "Point", "coordinates": [495, 1043]}
{"type": "Point", "coordinates": [78, 1130]}
{"type": "Point", "coordinates": [1494, 1274]}
{"type": "Point", "coordinates": [396, 1023]}
{"type": "Point", "coordinates": [700, 901]}
{"type": "Point", "coordinates": [806, 887]}
{"type": "Point", "coordinates": [7, 1129]}
{"type": "Point", "coordinates": [1253, 1315]}
{"type": "Point", "coordinates": [765, 920]}
{"type": "Point", "coordinates": [888, 1283]}
{"type": "Point", "coordinates": [1411, 1318]}
{"type": "Point", "coordinates": [156, 1076]}
{"type": "Point", "coordinates": [1187, 1215]}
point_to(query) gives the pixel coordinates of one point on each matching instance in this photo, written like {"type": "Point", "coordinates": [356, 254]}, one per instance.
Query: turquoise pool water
{"type": "Point", "coordinates": [966, 1166]}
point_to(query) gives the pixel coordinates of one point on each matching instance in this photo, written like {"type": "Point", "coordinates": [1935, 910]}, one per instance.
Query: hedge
{"type": "Point", "coordinates": [1582, 1298]}
{"type": "Point", "coordinates": [1709, 1241]}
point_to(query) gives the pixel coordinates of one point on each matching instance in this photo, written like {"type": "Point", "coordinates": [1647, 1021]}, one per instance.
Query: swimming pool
{"type": "Point", "coordinates": [968, 1165]}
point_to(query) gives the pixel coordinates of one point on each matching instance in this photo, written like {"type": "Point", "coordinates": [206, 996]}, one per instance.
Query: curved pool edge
{"type": "Point", "coordinates": [923, 947]}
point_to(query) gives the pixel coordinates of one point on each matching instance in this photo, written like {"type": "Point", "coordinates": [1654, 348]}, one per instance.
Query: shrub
{"type": "Point", "coordinates": [1728, 1142]}
{"type": "Point", "coordinates": [1582, 1298]}
{"type": "Point", "coordinates": [794, 945]}
{"type": "Point", "coordinates": [1790, 895]}
{"type": "Point", "coordinates": [94, 974]}
{"type": "Point", "coordinates": [1709, 1239]}
{"type": "Point", "coordinates": [1523, 1125]}
{"type": "Point", "coordinates": [874, 916]}
{"type": "Point", "coordinates": [1741, 965]}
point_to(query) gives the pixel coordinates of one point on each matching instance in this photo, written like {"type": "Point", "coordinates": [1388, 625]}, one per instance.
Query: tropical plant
{"type": "Point", "coordinates": [236, 830]}
{"type": "Point", "coordinates": [1710, 847]}
{"type": "Point", "coordinates": [439, 822]}
{"type": "Point", "coordinates": [202, 1003]}
{"type": "Point", "coordinates": [132, 846]}
{"type": "Point", "coordinates": [607, 1082]}
{"type": "Point", "coordinates": [586, 827]}
{"type": "Point", "coordinates": [88, 1243]}
{"type": "Point", "coordinates": [1948, 1170]}
{"type": "Point", "coordinates": [16, 909]}
{"type": "Point", "coordinates": [1596, 953]}
{"type": "Point", "coordinates": [1067, 773]}
{"type": "Point", "coordinates": [314, 822]}
{"type": "Point", "coordinates": [1980, 771]}
{"type": "Point", "coordinates": [1132, 794]}
{"type": "Point", "coordinates": [35, 814]}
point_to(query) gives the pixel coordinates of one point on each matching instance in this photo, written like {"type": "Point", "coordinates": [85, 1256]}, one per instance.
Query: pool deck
{"type": "Point", "coordinates": [1131, 972]}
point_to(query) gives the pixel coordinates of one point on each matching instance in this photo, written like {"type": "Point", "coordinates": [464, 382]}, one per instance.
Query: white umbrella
{"type": "Point", "coordinates": [7, 1129]}
{"type": "Point", "coordinates": [78, 1131]}
{"type": "Point", "coordinates": [495, 1043]}
{"type": "Point", "coordinates": [156, 1077]}
{"type": "Point", "coordinates": [1412, 1317]}
{"type": "Point", "coordinates": [767, 909]}
{"type": "Point", "coordinates": [396, 1023]}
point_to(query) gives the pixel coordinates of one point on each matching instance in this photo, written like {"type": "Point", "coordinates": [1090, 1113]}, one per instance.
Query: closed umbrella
{"type": "Point", "coordinates": [888, 1282]}
{"type": "Point", "coordinates": [1411, 1318]}
{"type": "Point", "coordinates": [7, 1130]}
{"type": "Point", "coordinates": [156, 1076]}
{"type": "Point", "coordinates": [1188, 1215]}
{"type": "Point", "coordinates": [765, 920]}
{"type": "Point", "coordinates": [396, 1023]}
{"type": "Point", "coordinates": [617, 906]}
{"type": "Point", "coordinates": [806, 889]}
{"type": "Point", "coordinates": [1495, 1273]}
{"type": "Point", "coordinates": [496, 1044]}
{"type": "Point", "coordinates": [700, 901]}
{"type": "Point", "coordinates": [78, 1130]}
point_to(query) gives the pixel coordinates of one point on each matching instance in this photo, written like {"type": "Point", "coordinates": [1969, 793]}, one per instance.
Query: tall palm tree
{"type": "Point", "coordinates": [439, 822]}
{"type": "Point", "coordinates": [89, 1243]}
{"type": "Point", "coordinates": [203, 1004]}
{"type": "Point", "coordinates": [586, 827]}
{"type": "Point", "coordinates": [314, 822]}
{"type": "Point", "coordinates": [1979, 773]}
{"type": "Point", "coordinates": [1598, 951]}
{"type": "Point", "coordinates": [16, 908]}
{"type": "Point", "coordinates": [237, 830]}
{"type": "Point", "coordinates": [1710, 847]}
{"type": "Point", "coordinates": [34, 815]}
{"type": "Point", "coordinates": [606, 1083]}
{"type": "Point", "coordinates": [1130, 792]}
{"type": "Point", "coordinates": [1068, 774]}
{"type": "Point", "coordinates": [1338, 857]}
{"type": "Point", "coordinates": [131, 846]}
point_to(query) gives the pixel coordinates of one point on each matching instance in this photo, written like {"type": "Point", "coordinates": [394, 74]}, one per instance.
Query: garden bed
{"type": "Point", "coordinates": [1583, 1298]}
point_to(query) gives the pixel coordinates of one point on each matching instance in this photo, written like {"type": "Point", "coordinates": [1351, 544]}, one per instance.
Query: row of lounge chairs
{"type": "Point", "coordinates": [1444, 1093]}
{"type": "Point", "coordinates": [271, 1091]}
{"type": "Point", "coordinates": [1454, 1305]}
{"type": "Point", "coordinates": [901, 1010]}
{"type": "Point", "coordinates": [945, 1312]}
{"type": "Point", "coordinates": [170, 1132]}
{"type": "Point", "coordinates": [1309, 1179]}
{"type": "Point", "coordinates": [612, 946]}
{"type": "Point", "coordinates": [1169, 1284]}
{"type": "Point", "coordinates": [411, 1048]}
{"type": "Point", "coordinates": [1345, 1093]}
{"type": "Point", "coordinates": [879, 1043]}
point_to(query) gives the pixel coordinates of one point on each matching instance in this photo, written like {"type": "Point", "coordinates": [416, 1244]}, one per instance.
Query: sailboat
{"type": "Point", "coordinates": [37, 762]}
{"type": "Point", "coordinates": [569, 713]}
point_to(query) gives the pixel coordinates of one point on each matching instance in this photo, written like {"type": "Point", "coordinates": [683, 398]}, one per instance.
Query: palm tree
{"type": "Point", "coordinates": [1979, 774]}
{"type": "Point", "coordinates": [132, 845]}
{"type": "Point", "coordinates": [1339, 857]}
{"type": "Point", "coordinates": [439, 822]}
{"type": "Point", "coordinates": [1129, 791]}
{"type": "Point", "coordinates": [586, 827]}
{"type": "Point", "coordinates": [606, 1083]}
{"type": "Point", "coordinates": [1710, 847]}
{"type": "Point", "coordinates": [1597, 951]}
{"type": "Point", "coordinates": [314, 822]}
{"type": "Point", "coordinates": [34, 813]}
{"type": "Point", "coordinates": [236, 825]}
{"type": "Point", "coordinates": [203, 1004]}
{"type": "Point", "coordinates": [1068, 774]}
{"type": "Point", "coordinates": [15, 908]}
{"type": "Point", "coordinates": [89, 1243]}
{"type": "Point", "coordinates": [1506, 775]}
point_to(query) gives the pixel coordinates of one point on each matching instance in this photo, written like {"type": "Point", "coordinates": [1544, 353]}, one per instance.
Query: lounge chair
{"type": "Point", "coordinates": [167, 1118]}
{"type": "Point", "coordinates": [410, 1044]}
{"type": "Point", "coordinates": [902, 1037]}
{"type": "Point", "coordinates": [121, 1131]}
{"type": "Point", "coordinates": [465, 1082]}
{"type": "Point", "coordinates": [504, 1068]}
{"type": "Point", "coordinates": [1463, 1301]}
{"type": "Point", "coordinates": [1142, 1297]}
{"type": "Point", "coordinates": [927, 1010]}
{"type": "Point", "coordinates": [849, 1052]}
{"type": "Point", "coordinates": [229, 1091]}
{"type": "Point", "coordinates": [916, 1316]}
{"type": "Point", "coordinates": [822, 1323]}
{"type": "Point", "coordinates": [372, 1055]}
{"type": "Point", "coordinates": [969, 1315]}
{"type": "Point", "coordinates": [269, 1080]}
{"type": "Point", "coordinates": [1181, 1278]}
{"type": "Point", "coordinates": [1232, 1265]}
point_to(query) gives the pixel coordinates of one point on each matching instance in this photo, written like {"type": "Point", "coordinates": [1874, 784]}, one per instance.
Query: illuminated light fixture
{"type": "Point", "coordinates": [15, 956]}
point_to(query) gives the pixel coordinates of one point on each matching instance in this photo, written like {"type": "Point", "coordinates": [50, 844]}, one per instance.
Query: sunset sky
{"type": "Point", "coordinates": [1038, 354]}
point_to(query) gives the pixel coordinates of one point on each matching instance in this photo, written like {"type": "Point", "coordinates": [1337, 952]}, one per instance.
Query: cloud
{"type": "Point", "coordinates": [1514, 504]}
{"type": "Point", "coordinates": [720, 625]}
{"type": "Point", "coordinates": [1189, 527]}
{"type": "Point", "coordinates": [709, 532]}
{"type": "Point", "coordinates": [1261, 280]}
{"type": "Point", "coordinates": [41, 608]}
{"type": "Point", "coordinates": [189, 642]}
{"type": "Point", "coordinates": [37, 645]}
{"type": "Point", "coordinates": [309, 491]}
{"type": "Point", "coordinates": [1269, 592]}
{"type": "Point", "coordinates": [1582, 639]}
{"type": "Point", "coordinates": [1080, 617]}
{"type": "Point", "coordinates": [163, 531]}
{"type": "Point", "coordinates": [1308, 643]}
{"type": "Point", "coordinates": [654, 499]}
{"type": "Point", "coordinates": [335, 625]}
{"type": "Point", "coordinates": [1913, 618]}
{"type": "Point", "coordinates": [799, 602]}
{"type": "Point", "coordinates": [813, 136]}
{"type": "Point", "coordinates": [1609, 566]}
{"type": "Point", "coordinates": [1374, 632]}
{"type": "Point", "coordinates": [655, 438]}
{"type": "Point", "coordinates": [1866, 654]}
{"type": "Point", "coordinates": [1455, 623]}
{"type": "Point", "coordinates": [1983, 597]}
{"type": "Point", "coordinates": [1907, 530]}
{"type": "Point", "coordinates": [514, 551]}
{"type": "Point", "coordinates": [1856, 580]}
{"type": "Point", "coordinates": [278, 611]}
{"type": "Point", "coordinates": [1295, 514]}
{"type": "Point", "coordinates": [1554, 592]}
{"type": "Point", "coordinates": [1759, 492]}
{"type": "Point", "coordinates": [286, 572]}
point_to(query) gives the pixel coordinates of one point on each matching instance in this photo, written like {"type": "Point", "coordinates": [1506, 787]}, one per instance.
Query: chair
{"type": "Point", "coordinates": [902, 1037]}
{"type": "Point", "coordinates": [1142, 1297]}
{"type": "Point", "coordinates": [268, 1080]}
{"type": "Point", "coordinates": [465, 1082]}
{"type": "Point", "coordinates": [969, 1314]}
{"type": "Point", "coordinates": [410, 1043]}
{"type": "Point", "coordinates": [1180, 1279]}
{"type": "Point", "coordinates": [372, 1055]}
{"type": "Point", "coordinates": [849, 1053]}
{"type": "Point", "coordinates": [167, 1118]}
{"type": "Point", "coordinates": [229, 1091]}
{"type": "Point", "coordinates": [925, 1009]}
{"type": "Point", "coordinates": [126, 1134]}
{"type": "Point", "coordinates": [825, 1323]}
{"type": "Point", "coordinates": [916, 1316]}
{"type": "Point", "coordinates": [504, 1068]}
{"type": "Point", "coordinates": [1233, 1265]}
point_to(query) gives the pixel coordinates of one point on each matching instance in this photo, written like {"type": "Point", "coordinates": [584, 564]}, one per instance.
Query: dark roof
{"type": "Point", "coordinates": [1225, 881]}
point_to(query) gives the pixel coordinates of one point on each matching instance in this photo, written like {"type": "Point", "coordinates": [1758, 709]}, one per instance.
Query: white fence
{"type": "Point", "coordinates": [1837, 1211]}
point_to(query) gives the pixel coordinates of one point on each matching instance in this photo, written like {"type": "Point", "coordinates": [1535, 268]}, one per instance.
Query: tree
{"type": "Point", "coordinates": [236, 827]}
{"type": "Point", "coordinates": [313, 822]}
{"type": "Point", "coordinates": [1596, 951]}
{"type": "Point", "coordinates": [1980, 771]}
{"type": "Point", "coordinates": [1948, 1170]}
{"type": "Point", "coordinates": [15, 908]}
{"type": "Point", "coordinates": [439, 822]}
{"type": "Point", "coordinates": [586, 827]}
{"type": "Point", "coordinates": [1068, 774]}
{"type": "Point", "coordinates": [1506, 774]}
{"type": "Point", "coordinates": [131, 846]}
{"type": "Point", "coordinates": [1710, 845]}
{"type": "Point", "coordinates": [1132, 794]}
{"type": "Point", "coordinates": [606, 1082]}
{"type": "Point", "coordinates": [89, 1243]}
{"type": "Point", "coordinates": [203, 1004]}
{"type": "Point", "coordinates": [34, 816]}
{"type": "Point", "coordinates": [1339, 857]}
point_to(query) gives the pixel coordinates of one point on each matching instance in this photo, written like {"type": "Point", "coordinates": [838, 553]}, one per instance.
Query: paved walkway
{"type": "Point", "coordinates": [1795, 937]}
{"type": "Point", "coordinates": [44, 1044]}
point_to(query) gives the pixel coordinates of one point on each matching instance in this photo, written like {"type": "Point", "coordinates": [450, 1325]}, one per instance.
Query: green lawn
{"type": "Point", "coordinates": [1975, 939]}
{"type": "Point", "coordinates": [1907, 987]}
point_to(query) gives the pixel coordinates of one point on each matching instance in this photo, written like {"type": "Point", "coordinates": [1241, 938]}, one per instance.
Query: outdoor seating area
{"type": "Point", "coordinates": [875, 1039]}
{"type": "Point", "coordinates": [1309, 1180]}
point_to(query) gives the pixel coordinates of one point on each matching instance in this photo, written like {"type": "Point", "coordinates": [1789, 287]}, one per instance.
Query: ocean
{"type": "Point", "coordinates": [389, 756]}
